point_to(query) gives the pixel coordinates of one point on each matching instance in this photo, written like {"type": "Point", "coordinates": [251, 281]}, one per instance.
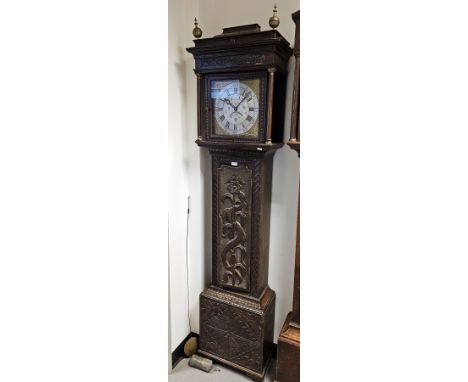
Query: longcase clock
{"type": "Point", "coordinates": [288, 358]}
{"type": "Point", "coordinates": [241, 82]}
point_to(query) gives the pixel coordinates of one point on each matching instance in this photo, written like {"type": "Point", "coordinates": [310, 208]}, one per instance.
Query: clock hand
{"type": "Point", "coordinates": [243, 99]}
{"type": "Point", "coordinates": [225, 100]}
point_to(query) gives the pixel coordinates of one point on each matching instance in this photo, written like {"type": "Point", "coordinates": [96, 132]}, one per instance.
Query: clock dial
{"type": "Point", "coordinates": [236, 107]}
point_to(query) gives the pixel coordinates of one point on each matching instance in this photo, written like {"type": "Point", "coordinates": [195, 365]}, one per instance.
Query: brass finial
{"type": "Point", "coordinates": [274, 20]}
{"type": "Point", "coordinates": [197, 32]}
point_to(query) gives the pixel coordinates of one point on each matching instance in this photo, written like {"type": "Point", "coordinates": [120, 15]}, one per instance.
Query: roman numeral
{"type": "Point", "coordinates": [251, 108]}
{"type": "Point", "coordinates": [222, 118]}
{"type": "Point", "coordinates": [235, 127]}
{"type": "Point", "coordinates": [249, 118]}
{"type": "Point", "coordinates": [249, 99]}
{"type": "Point", "coordinates": [227, 124]}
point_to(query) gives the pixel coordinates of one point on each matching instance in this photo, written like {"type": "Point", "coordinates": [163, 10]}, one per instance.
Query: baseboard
{"type": "Point", "coordinates": [274, 351]}
{"type": "Point", "coordinates": [178, 352]}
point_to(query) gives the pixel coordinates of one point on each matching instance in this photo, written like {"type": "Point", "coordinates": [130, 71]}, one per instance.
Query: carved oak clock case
{"type": "Point", "coordinates": [241, 78]}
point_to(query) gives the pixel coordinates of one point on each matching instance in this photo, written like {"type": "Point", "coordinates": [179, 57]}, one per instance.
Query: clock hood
{"type": "Point", "coordinates": [243, 47]}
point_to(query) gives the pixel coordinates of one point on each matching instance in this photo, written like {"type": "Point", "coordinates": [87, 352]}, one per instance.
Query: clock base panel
{"type": "Point", "coordinates": [237, 330]}
{"type": "Point", "coordinates": [288, 355]}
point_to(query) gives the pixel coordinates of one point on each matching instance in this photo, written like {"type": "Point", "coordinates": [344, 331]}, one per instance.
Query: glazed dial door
{"type": "Point", "coordinates": [236, 107]}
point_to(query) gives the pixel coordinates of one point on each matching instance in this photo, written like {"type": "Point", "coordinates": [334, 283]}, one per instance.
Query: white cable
{"type": "Point", "coordinates": [187, 264]}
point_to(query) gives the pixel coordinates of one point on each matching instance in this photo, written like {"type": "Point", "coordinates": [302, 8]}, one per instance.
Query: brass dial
{"type": "Point", "coordinates": [236, 108]}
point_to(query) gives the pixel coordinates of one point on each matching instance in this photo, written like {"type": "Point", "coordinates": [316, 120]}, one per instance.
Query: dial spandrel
{"type": "Point", "coordinates": [236, 107]}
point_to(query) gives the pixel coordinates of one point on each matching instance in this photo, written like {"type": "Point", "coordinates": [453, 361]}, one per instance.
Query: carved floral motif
{"type": "Point", "coordinates": [233, 224]}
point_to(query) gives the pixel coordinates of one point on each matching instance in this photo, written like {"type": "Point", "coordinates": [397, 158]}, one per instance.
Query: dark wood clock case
{"type": "Point", "coordinates": [288, 357]}
{"type": "Point", "coordinates": [237, 310]}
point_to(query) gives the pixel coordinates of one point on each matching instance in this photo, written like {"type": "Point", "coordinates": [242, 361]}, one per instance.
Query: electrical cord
{"type": "Point", "coordinates": [187, 264]}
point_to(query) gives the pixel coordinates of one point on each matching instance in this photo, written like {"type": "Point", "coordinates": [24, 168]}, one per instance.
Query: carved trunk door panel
{"type": "Point", "coordinates": [234, 222]}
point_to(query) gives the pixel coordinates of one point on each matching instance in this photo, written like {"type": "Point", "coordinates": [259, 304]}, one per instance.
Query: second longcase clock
{"type": "Point", "coordinates": [288, 357]}
{"type": "Point", "coordinates": [241, 80]}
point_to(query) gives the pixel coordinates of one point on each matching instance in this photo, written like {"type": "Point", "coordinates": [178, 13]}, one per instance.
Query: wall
{"type": "Point", "coordinates": [190, 166]}
{"type": "Point", "coordinates": [183, 171]}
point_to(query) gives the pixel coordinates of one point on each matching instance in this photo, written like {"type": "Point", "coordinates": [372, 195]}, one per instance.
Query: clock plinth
{"type": "Point", "coordinates": [237, 330]}
{"type": "Point", "coordinates": [288, 359]}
